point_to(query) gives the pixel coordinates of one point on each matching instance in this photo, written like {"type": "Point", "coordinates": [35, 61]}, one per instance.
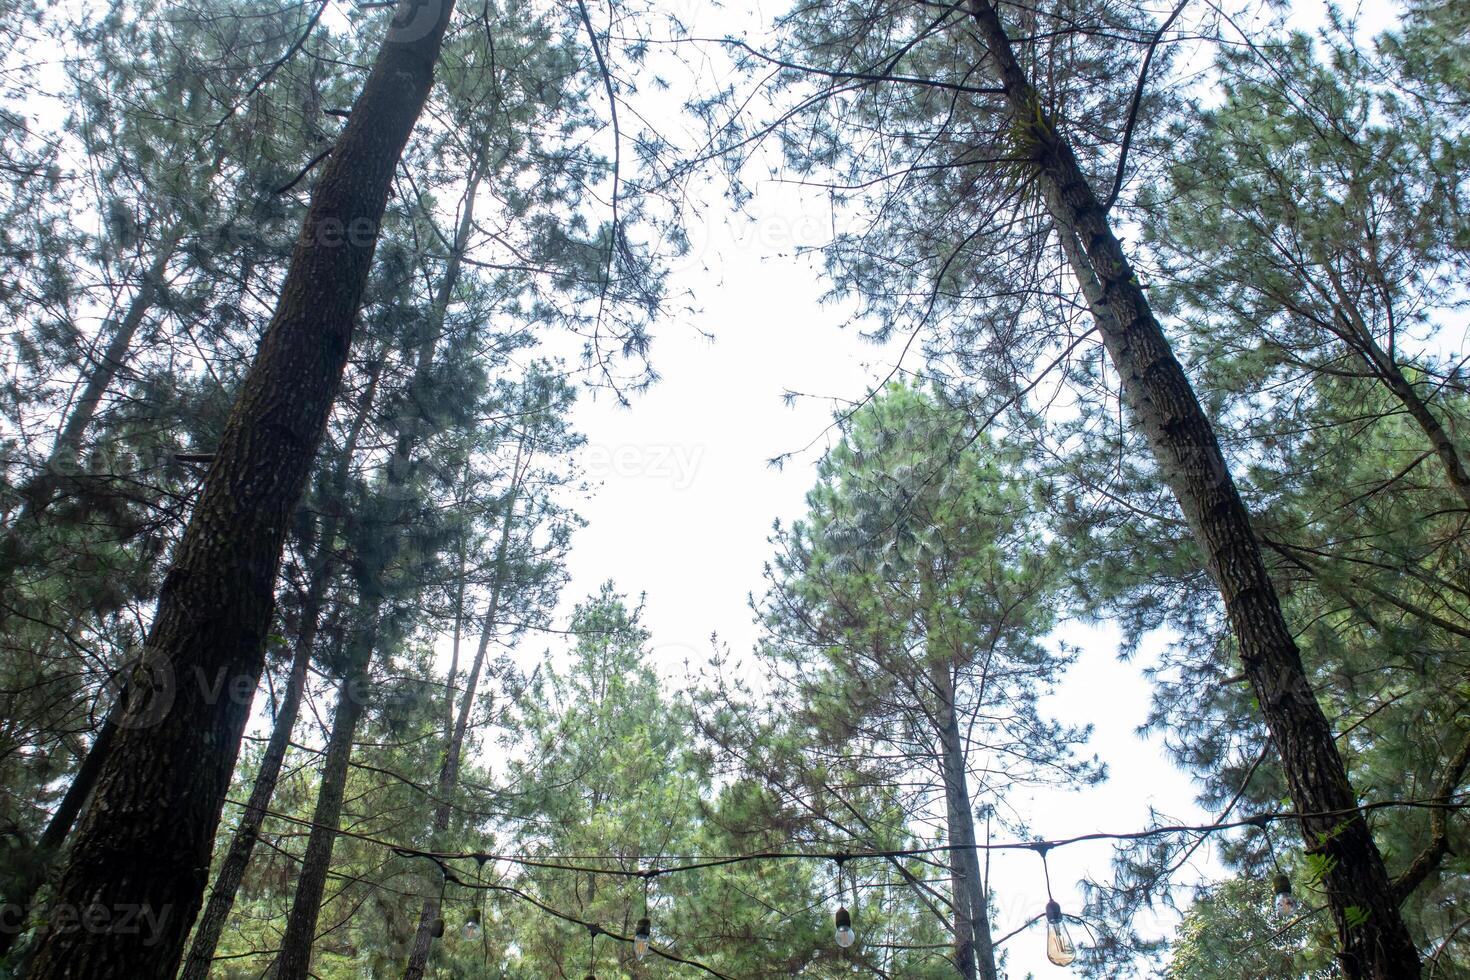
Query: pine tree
{"type": "Point", "coordinates": [322, 571]}
{"type": "Point", "coordinates": [1306, 246]}
{"type": "Point", "coordinates": [118, 229]}
{"type": "Point", "coordinates": [146, 839]}
{"type": "Point", "coordinates": [1026, 128]}
{"type": "Point", "coordinates": [905, 619]}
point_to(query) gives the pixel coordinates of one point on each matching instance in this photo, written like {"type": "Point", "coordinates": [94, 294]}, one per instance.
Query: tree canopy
{"type": "Point", "coordinates": [312, 309]}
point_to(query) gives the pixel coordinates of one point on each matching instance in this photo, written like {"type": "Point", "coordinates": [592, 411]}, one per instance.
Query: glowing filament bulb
{"type": "Point", "coordinates": [472, 930]}
{"type": "Point", "coordinates": [641, 938]}
{"type": "Point", "coordinates": [1059, 946]}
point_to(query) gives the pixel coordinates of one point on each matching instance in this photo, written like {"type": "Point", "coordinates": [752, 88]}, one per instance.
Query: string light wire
{"type": "Point", "coordinates": [688, 863]}
{"type": "Point", "coordinates": [1454, 802]}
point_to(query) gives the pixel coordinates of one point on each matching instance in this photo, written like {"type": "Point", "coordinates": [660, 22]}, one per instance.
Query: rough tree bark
{"type": "Point", "coordinates": [85, 779]}
{"type": "Point", "coordinates": [145, 842]}
{"type": "Point", "coordinates": [39, 495]}
{"type": "Point", "coordinates": [242, 844]}
{"type": "Point", "coordinates": [1374, 940]}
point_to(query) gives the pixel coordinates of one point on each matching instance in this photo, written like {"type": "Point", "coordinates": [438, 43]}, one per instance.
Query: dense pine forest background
{"type": "Point", "coordinates": [1052, 331]}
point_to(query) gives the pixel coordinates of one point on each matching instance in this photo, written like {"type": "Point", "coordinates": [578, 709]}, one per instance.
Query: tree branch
{"type": "Point", "coordinates": [1138, 88]}
{"type": "Point", "coordinates": [1439, 841]}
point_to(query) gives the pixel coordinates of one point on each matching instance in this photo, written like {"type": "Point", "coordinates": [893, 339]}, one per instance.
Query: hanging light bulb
{"type": "Point", "coordinates": [845, 936]}
{"type": "Point", "coordinates": [641, 938]}
{"type": "Point", "coordinates": [436, 929]}
{"type": "Point", "coordinates": [1285, 902]}
{"type": "Point", "coordinates": [472, 930]}
{"type": "Point", "coordinates": [1059, 947]}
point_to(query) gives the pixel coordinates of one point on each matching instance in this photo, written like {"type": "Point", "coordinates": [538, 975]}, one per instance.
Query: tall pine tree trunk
{"type": "Point", "coordinates": [144, 845]}
{"type": "Point", "coordinates": [962, 927]}
{"type": "Point", "coordinates": [418, 957]}
{"type": "Point", "coordinates": [1374, 940]}
{"type": "Point", "coordinates": [242, 844]}
{"type": "Point", "coordinates": [294, 961]}
{"type": "Point", "coordinates": [38, 496]}
{"type": "Point", "coordinates": [974, 948]}
{"type": "Point", "coordinates": [85, 779]}
{"type": "Point", "coordinates": [962, 834]}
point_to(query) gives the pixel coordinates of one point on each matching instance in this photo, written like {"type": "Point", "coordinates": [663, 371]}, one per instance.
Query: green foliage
{"type": "Point", "coordinates": [921, 556]}
{"type": "Point", "coordinates": [1304, 234]}
{"type": "Point", "coordinates": [1310, 248]}
{"type": "Point", "coordinates": [124, 215]}
{"type": "Point", "coordinates": [1231, 932]}
{"type": "Point", "coordinates": [904, 639]}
